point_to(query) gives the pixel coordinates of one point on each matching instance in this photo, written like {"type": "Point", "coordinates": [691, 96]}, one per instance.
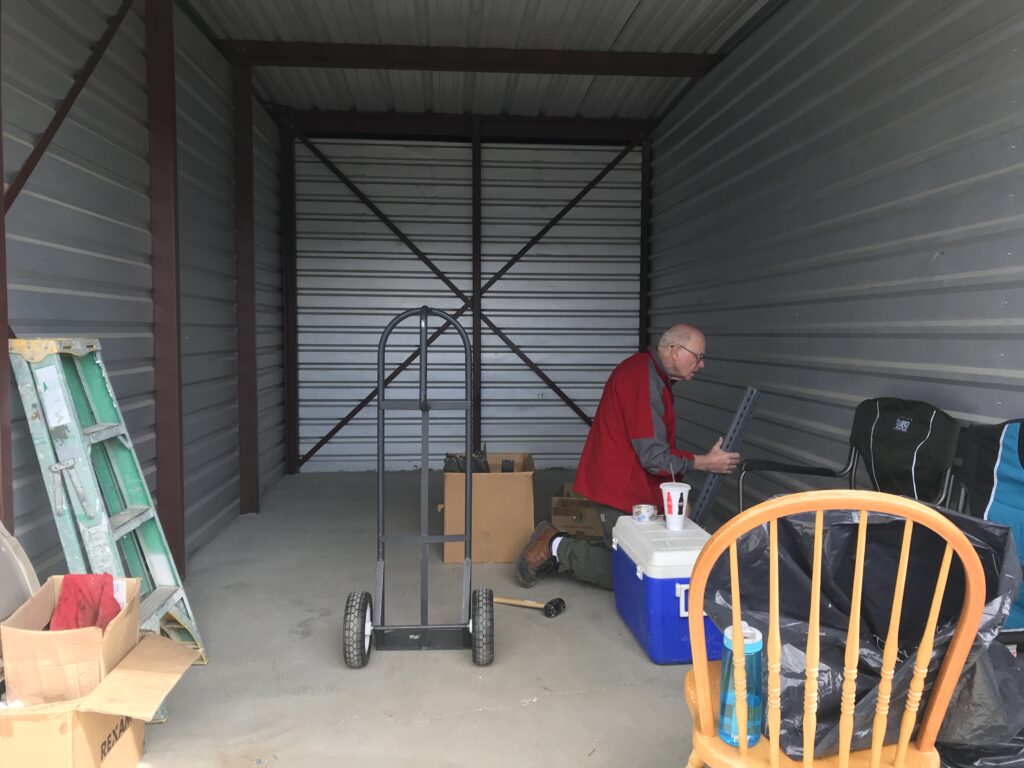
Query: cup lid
{"type": "Point", "coordinates": [752, 640]}
{"type": "Point", "coordinates": [670, 486]}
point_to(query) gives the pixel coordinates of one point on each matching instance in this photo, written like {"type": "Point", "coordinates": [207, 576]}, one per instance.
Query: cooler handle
{"type": "Point", "coordinates": [683, 593]}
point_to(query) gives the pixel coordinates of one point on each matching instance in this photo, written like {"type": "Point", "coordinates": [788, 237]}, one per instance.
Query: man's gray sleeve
{"type": "Point", "coordinates": [654, 452]}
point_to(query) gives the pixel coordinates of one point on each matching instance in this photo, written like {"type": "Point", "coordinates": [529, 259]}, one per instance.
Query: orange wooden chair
{"type": "Point", "coordinates": [702, 683]}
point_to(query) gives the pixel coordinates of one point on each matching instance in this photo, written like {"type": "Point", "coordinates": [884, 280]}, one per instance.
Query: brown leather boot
{"type": "Point", "coordinates": [535, 561]}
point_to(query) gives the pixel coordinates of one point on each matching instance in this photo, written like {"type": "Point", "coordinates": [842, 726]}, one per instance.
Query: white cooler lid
{"type": "Point", "coordinates": [658, 552]}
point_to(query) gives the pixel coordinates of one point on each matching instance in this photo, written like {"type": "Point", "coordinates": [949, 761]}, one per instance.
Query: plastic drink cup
{"type": "Point", "coordinates": [728, 727]}
{"type": "Point", "coordinates": [674, 496]}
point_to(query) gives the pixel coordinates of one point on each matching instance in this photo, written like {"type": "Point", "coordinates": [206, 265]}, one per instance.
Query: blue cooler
{"type": "Point", "coordinates": [651, 567]}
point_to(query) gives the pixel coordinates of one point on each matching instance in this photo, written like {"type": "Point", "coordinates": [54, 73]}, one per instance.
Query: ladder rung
{"type": "Point", "coordinates": [97, 433]}
{"type": "Point", "coordinates": [131, 518]}
{"type": "Point", "coordinates": [412, 404]}
{"type": "Point", "coordinates": [156, 603]}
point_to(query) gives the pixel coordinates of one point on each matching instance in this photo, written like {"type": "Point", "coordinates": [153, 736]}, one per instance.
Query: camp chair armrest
{"type": "Point", "coordinates": [764, 465]}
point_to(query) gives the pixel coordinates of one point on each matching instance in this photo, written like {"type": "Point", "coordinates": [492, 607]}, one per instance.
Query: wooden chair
{"type": "Point", "coordinates": [702, 683]}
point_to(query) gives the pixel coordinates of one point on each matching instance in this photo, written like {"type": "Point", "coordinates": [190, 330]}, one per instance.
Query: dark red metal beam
{"type": "Point", "coordinates": [163, 196]}
{"type": "Point", "coordinates": [575, 130]}
{"type": "Point", "coordinates": [113, 24]}
{"type": "Point", "coordinates": [6, 464]}
{"type": "Point", "coordinates": [267, 53]}
{"type": "Point", "coordinates": [245, 293]}
{"type": "Point", "coordinates": [286, 165]}
{"type": "Point", "coordinates": [645, 242]}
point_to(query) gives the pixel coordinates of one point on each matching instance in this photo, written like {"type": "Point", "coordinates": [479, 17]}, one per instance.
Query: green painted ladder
{"type": "Point", "coordinates": [104, 512]}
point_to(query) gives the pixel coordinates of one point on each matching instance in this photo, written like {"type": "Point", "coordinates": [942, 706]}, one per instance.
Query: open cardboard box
{"type": "Point", "coordinates": [88, 693]}
{"type": "Point", "coordinates": [502, 510]}
{"type": "Point", "coordinates": [576, 514]}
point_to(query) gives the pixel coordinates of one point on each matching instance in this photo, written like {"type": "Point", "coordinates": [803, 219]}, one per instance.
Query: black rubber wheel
{"type": "Point", "coordinates": [483, 627]}
{"type": "Point", "coordinates": [358, 629]}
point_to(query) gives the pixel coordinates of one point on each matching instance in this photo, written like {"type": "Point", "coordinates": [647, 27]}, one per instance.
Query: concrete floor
{"type": "Point", "coordinates": [270, 592]}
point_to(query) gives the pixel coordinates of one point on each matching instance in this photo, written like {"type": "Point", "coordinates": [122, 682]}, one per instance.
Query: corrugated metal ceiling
{"type": "Point", "coordinates": [662, 26]}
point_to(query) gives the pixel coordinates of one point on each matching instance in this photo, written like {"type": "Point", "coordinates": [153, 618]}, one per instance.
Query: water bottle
{"type": "Point", "coordinates": [728, 727]}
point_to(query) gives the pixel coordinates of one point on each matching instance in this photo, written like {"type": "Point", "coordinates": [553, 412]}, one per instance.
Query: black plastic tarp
{"type": "Point", "coordinates": [988, 706]}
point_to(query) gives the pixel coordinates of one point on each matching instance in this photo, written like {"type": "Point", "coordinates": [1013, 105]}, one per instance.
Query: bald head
{"type": "Point", "coordinates": [681, 350]}
{"type": "Point", "coordinates": [681, 333]}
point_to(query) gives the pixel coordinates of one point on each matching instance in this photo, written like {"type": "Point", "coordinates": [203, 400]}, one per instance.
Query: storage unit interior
{"type": "Point", "coordinates": [237, 197]}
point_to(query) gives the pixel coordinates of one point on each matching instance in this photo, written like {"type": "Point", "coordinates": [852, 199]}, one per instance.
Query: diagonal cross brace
{"type": "Point", "coordinates": [467, 301]}
{"type": "Point", "coordinates": [81, 78]}
{"type": "Point", "coordinates": [384, 218]}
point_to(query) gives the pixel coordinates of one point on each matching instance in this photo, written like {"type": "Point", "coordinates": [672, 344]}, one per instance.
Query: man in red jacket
{"type": "Point", "coordinates": [629, 452]}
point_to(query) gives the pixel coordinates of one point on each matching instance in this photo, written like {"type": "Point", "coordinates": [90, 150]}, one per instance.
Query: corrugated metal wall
{"type": "Point", "coordinates": [578, 285]}
{"type": "Point", "coordinates": [639, 25]}
{"type": "Point", "coordinates": [78, 235]}
{"type": "Point", "coordinates": [836, 205]}
{"type": "Point", "coordinates": [269, 309]}
{"type": "Point", "coordinates": [209, 358]}
{"type": "Point", "coordinates": [573, 301]}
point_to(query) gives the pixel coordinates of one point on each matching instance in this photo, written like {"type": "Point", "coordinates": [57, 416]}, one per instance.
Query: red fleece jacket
{"type": "Point", "coordinates": [631, 449]}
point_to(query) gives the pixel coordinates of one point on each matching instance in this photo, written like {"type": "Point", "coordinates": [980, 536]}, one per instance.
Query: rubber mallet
{"type": "Point", "coordinates": [552, 608]}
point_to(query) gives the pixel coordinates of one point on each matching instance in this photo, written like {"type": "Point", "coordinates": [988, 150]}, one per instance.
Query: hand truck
{"type": "Point", "coordinates": [366, 626]}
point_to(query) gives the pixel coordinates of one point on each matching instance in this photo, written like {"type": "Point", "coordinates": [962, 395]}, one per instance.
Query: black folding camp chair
{"type": "Point", "coordinates": [990, 475]}
{"type": "Point", "coordinates": [907, 447]}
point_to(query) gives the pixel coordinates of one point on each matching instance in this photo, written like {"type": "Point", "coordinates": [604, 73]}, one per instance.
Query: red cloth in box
{"type": "Point", "coordinates": [86, 600]}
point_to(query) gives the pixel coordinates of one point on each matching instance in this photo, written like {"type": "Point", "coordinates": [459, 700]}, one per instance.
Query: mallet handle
{"type": "Point", "coordinates": [520, 603]}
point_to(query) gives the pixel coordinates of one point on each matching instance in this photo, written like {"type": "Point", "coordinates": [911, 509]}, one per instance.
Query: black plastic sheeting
{"type": "Point", "coordinates": [984, 726]}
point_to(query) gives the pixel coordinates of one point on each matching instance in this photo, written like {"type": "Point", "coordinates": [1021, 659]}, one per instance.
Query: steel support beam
{"type": "Point", "coordinates": [383, 217]}
{"type": "Point", "coordinates": [645, 242]}
{"type": "Point", "coordinates": [467, 301]}
{"type": "Point", "coordinates": [571, 130]}
{"type": "Point", "coordinates": [540, 373]}
{"type": "Point", "coordinates": [373, 393]}
{"type": "Point", "coordinates": [267, 53]}
{"type": "Point", "coordinates": [558, 216]}
{"type": "Point", "coordinates": [477, 214]}
{"type": "Point", "coordinates": [6, 464]}
{"type": "Point", "coordinates": [245, 292]}
{"type": "Point", "coordinates": [163, 197]}
{"type": "Point", "coordinates": [286, 160]}
{"type": "Point", "coordinates": [81, 78]}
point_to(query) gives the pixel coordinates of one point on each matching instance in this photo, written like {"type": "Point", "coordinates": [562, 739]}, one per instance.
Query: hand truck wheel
{"type": "Point", "coordinates": [358, 631]}
{"type": "Point", "coordinates": [482, 627]}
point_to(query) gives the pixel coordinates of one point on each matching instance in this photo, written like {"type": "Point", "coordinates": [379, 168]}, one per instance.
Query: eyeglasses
{"type": "Point", "coordinates": [698, 355]}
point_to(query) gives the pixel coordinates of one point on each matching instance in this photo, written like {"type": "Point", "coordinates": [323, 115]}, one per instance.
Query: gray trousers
{"type": "Point", "coordinates": [590, 562]}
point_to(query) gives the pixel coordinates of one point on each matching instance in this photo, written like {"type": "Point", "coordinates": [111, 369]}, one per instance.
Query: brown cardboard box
{"type": "Point", "coordinates": [43, 666]}
{"type": "Point", "coordinates": [121, 683]}
{"type": "Point", "coordinates": [502, 510]}
{"type": "Point", "coordinates": [572, 513]}
{"type": "Point", "coordinates": [105, 729]}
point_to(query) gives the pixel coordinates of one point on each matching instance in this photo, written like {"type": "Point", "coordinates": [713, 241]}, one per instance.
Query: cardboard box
{"type": "Point", "coordinates": [42, 666]}
{"type": "Point", "coordinates": [124, 681]}
{"type": "Point", "coordinates": [502, 510]}
{"type": "Point", "coordinates": [105, 729]}
{"type": "Point", "coordinates": [577, 516]}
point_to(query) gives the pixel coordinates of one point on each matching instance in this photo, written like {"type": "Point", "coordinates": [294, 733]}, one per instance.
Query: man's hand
{"type": "Point", "coordinates": [716, 460]}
